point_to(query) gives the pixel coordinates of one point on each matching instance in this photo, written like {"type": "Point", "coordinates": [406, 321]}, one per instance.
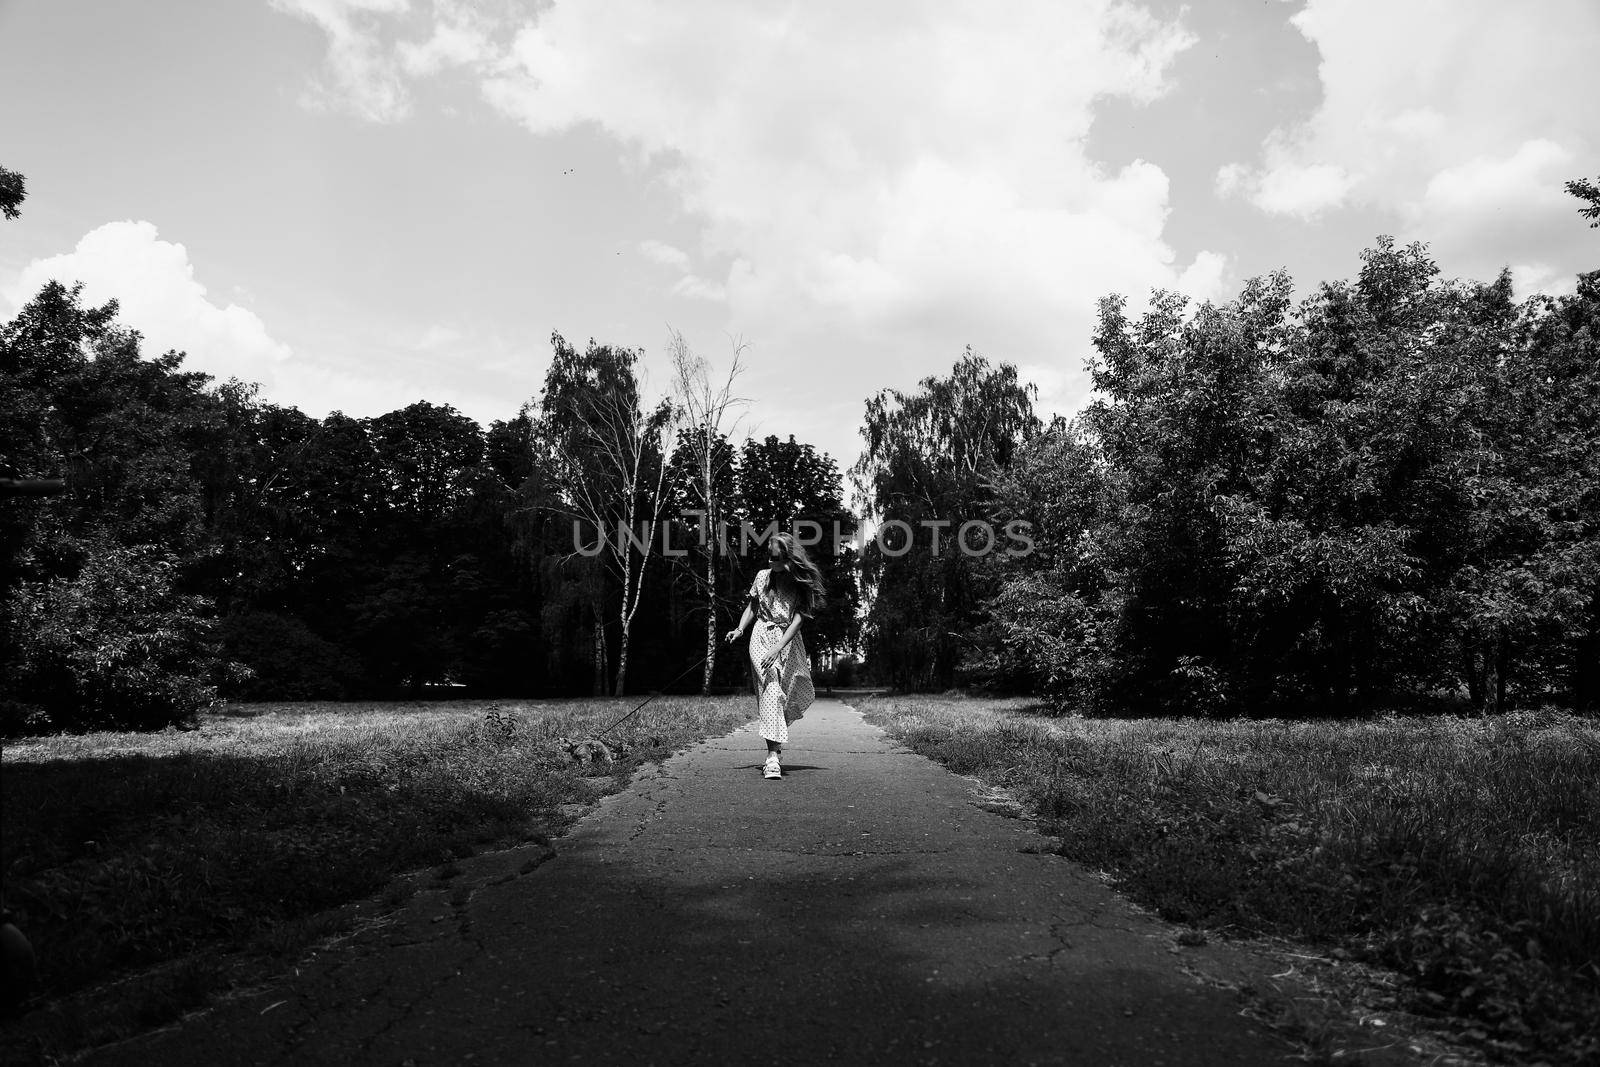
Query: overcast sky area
{"type": "Point", "coordinates": [363, 203]}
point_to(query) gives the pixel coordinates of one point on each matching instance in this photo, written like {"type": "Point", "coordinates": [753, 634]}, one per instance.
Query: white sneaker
{"type": "Point", "coordinates": [773, 768]}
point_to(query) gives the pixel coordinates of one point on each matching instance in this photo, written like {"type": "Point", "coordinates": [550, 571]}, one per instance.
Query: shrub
{"type": "Point", "coordinates": [114, 647]}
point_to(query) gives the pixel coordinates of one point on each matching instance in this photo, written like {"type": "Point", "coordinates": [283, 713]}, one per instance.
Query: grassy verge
{"type": "Point", "coordinates": [1464, 854]}
{"type": "Point", "coordinates": [152, 855]}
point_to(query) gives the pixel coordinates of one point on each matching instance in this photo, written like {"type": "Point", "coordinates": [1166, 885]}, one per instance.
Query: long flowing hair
{"type": "Point", "coordinates": [799, 577]}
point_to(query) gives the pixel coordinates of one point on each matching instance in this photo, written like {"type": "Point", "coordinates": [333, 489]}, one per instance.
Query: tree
{"type": "Point", "coordinates": [411, 620]}
{"type": "Point", "coordinates": [929, 459]}
{"type": "Point", "coordinates": [707, 464]}
{"type": "Point", "coordinates": [1294, 499]}
{"type": "Point", "coordinates": [115, 646]}
{"type": "Point", "coordinates": [1589, 192]}
{"type": "Point", "coordinates": [1182, 419]}
{"type": "Point", "coordinates": [1386, 492]}
{"type": "Point", "coordinates": [426, 451]}
{"type": "Point", "coordinates": [13, 191]}
{"type": "Point", "coordinates": [1538, 567]}
{"type": "Point", "coordinates": [100, 623]}
{"type": "Point", "coordinates": [786, 483]}
{"type": "Point", "coordinates": [39, 350]}
{"type": "Point", "coordinates": [1341, 537]}
{"type": "Point", "coordinates": [1047, 620]}
{"type": "Point", "coordinates": [258, 521]}
{"type": "Point", "coordinates": [612, 463]}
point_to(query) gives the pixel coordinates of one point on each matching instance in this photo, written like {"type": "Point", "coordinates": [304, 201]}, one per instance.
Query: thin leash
{"type": "Point", "coordinates": [651, 697]}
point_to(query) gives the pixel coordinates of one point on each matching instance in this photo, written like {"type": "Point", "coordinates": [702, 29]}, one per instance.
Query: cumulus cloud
{"type": "Point", "coordinates": [689, 285]}
{"type": "Point", "coordinates": [664, 254]}
{"type": "Point", "coordinates": [154, 284]}
{"type": "Point", "coordinates": [889, 180]}
{"type": "Point", "coordinates": [1286, 188]}
{"type": "Point", "coordinates": [363, 76]}
{"type": "Point", "coordinates": [1461, 118]}
{"type": "Point", "coordinates": [1543, 278]}
{"type": "Point", "coordinates": [1529, 177]}
{"type": "Point", "coordinates": [1204, 278]}
{"type": "Point", "coordinates": [695, 287]}
{"type": "Point", "coordinates": [157, 292]}
{"type": "Point", "coordinates": [461, 37]}
{"type": "Point", "coordinates": [1060, 391]}
{"type": "Point", "coordinates": [912, 173]}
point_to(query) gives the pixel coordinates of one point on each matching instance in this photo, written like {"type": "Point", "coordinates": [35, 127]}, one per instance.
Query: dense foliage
{"type": "Point", "coordinates": [212, 544]}
{"type": "Point", "coordinates": [924, 473]}
{"type": "Point", "coordinates": [1387, 493]}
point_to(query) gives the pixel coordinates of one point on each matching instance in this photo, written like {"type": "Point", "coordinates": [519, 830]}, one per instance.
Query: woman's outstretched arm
{"type": "Point", "coordinates": [744, 623]}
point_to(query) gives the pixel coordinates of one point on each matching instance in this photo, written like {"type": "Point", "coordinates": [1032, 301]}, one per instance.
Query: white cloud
{"type": "Point", "coordinates": [695, 287]}
{"type": "Point", "coordinates": [664, 254]}
{"type": "Point", "coordinates": [461, 38]}
{"type": "Point", "coordinates": [1530, 278]}
{"type": "Point", "coordinates": [885, 183]}
{"type": "Point", "coordinates": [1461, 118]}
{"type": "Point", "coordinates": [913, 174]}
{"type": "Point", "coordinates": [154, 284]}
{"type": "Point", "coordinates": [1232, 178]}
{"type": "Point", "coordinates": [1060, 392]}
{"type": "Point", "coordinates": [1532, 175]}
{"type": "Point", "coordinates": [689, 285]}
{"type": "Point", "coordinates": [1205, 278]}
{"type": "Point", "coordinates": [365, 77]}
{"type": "Point", "coordinates": [1302, 190]}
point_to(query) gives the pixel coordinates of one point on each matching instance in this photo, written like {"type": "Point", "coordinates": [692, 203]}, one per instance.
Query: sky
{"type": "Point", "coordinates": [360, 204]}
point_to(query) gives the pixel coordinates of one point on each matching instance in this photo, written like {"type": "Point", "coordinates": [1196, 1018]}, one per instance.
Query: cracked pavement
{"type": "Point", "coordinates": [865, 908]}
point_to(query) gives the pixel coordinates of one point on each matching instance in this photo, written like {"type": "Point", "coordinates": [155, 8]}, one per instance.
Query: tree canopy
{"type": "Point", "coordinates": [13, 191]}
{"type": "Point", "coordinates": [1384, 494]}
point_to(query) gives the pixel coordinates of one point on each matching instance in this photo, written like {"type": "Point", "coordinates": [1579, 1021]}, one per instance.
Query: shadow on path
{"type": "Point", "coordinates": [860, 910]}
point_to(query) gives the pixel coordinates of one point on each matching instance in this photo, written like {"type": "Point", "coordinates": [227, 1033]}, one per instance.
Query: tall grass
{"type": "Point", "coordinates": [1462, 853]}
{"type": "Point", "coordinates": [122, 851]}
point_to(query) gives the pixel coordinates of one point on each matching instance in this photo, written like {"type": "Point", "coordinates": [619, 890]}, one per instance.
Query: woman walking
{"type": "Point", "coordinates": [782, 595]}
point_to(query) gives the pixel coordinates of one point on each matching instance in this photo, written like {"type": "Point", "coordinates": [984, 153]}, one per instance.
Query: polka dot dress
{"type": "Point", "coordinates": [784, 691]}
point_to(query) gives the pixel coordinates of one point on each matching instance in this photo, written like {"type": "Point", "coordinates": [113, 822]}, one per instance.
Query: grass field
{"type": "Point", "coordinates": [153, 854]}
{"type": "Point", "coordinates": [1463, 854]}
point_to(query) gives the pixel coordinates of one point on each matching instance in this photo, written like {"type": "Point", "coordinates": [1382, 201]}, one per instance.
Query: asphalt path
{"type": "Point", "coordinates": [863, 909]}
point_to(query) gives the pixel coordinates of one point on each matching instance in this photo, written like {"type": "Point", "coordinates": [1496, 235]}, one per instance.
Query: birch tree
{"type": "Point", "coordinates": [610, 459]}
{"type": "Point", "coordinates": [709, 462]}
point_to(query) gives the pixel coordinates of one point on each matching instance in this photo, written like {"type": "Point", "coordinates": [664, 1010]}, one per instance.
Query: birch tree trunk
{"type": "Point", "coordinates": [600, 444]}
{"type": "Point", "coordinates": [711, 604]}
{"type": "Point", "coordinates": [704, 407]}
{"type": "Point", "coordinates": [599, 652]}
